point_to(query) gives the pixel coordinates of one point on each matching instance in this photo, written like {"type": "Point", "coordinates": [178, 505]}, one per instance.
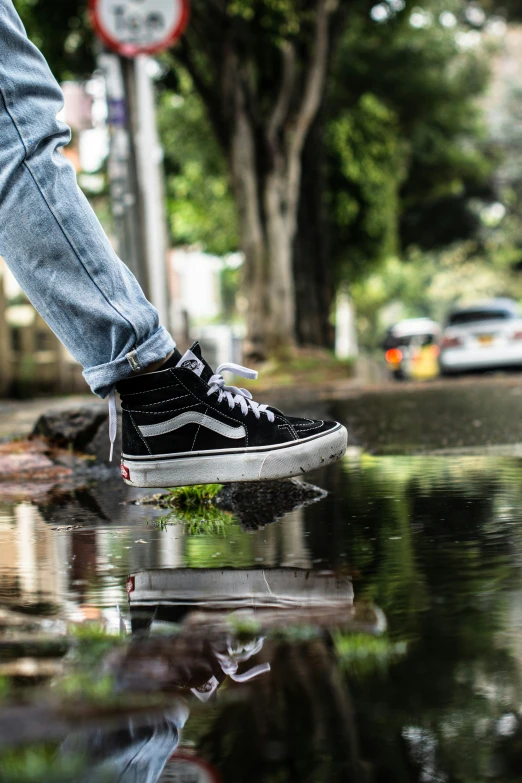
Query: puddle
{"type": "Point", "coordinates": [374, 634]}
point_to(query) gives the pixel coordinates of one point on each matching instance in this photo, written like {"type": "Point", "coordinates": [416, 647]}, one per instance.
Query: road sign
{"type": "Point", "coordinates": [133, 27]}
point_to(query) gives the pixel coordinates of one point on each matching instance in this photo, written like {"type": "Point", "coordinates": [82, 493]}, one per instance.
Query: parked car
{"type": "Point", "coordinates": [484, 336]}
{"type": "Point", "coordinates": [412, 349]}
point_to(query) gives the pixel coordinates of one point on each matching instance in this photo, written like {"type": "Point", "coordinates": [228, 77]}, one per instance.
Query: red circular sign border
{"type": "Point", "coordinates": [130, 50]}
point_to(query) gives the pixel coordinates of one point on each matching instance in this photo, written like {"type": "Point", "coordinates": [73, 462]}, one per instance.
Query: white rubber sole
{"type": "Point", "coordinates": [266, 464]}
{"type": "Point", "coordinates": [239, 588]}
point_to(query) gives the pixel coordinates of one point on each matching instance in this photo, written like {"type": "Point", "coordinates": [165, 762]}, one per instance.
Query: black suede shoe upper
{"type": "Point", "coordinates": [164, 396]}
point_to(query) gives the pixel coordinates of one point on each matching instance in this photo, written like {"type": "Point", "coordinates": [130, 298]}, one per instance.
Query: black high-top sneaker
{"type": "Point", "coordinates": [183, 425]}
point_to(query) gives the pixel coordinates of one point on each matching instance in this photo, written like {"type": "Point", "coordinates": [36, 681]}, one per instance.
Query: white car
{"type": "Point", "coordinates": [485, 336]}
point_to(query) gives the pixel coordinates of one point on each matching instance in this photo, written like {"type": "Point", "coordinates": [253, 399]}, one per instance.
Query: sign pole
{"type": "Point", "coordinates": [149, 155]}
{"type": "Point", "coordinates": [135, 30]}
{"type": "Point", "coordinates": [123, 179]}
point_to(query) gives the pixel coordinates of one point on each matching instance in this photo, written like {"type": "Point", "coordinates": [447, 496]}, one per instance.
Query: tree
{"type": "Point", "coordinates": [405, 137]}
{"type": "Point", "coordinates": [200, 206]}
{"type": "Point", "coordinates": [341, 143]}
{"type": "Point", "coordinates": [61, 30]}
{"type": "Point", "coordinates": [260, 69]}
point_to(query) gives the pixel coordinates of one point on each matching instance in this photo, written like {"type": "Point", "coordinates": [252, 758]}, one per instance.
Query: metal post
{"type": "Point", "coordinates": [123, 179]}
{"type": "Point", "coordinates": [149, 155]}
{"type": "Point", "coordinates": [131, 30]}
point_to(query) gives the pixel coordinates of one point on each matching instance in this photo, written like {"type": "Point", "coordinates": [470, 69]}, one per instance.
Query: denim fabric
{"type": "Point", "coordinates": [49, 235]}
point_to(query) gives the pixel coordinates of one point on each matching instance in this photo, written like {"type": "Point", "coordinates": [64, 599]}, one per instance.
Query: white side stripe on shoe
{"type": "Point", "coordinates": [192, 417]}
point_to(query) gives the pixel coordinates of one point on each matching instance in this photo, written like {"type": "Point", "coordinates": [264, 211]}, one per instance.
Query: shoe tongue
{"type": "Point", "coordinates": [193, 360]}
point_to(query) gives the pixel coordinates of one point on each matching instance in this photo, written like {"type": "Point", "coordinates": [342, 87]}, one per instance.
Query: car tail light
{"type": "Point", "coordinates": [451, 342]}
{"type": "Point", "coordinates": [393, 356]}
{"type": "Point", "coordinates": [517, 336]}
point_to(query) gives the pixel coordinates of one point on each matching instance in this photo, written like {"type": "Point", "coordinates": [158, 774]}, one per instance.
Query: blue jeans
{"type": "Point", "coordinates": [49, 235]}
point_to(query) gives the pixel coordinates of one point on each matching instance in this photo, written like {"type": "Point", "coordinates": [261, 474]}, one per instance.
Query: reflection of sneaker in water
{"type": "Point", "coordinates": [202, 600]}
{"type": "Point", "coordinates": [171, 594]}
{"type": "Point", "coordinates": [229, 654]}
{"type": "Point", "coordinates": [183, 425]}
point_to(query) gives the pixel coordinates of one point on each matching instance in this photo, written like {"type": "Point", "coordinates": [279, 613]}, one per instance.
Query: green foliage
{"type": "Point", "coordinates": [92, 642]}
{"type": "Point", "coordinates": [431, 284]}
{"type": "Point", "coordinates": [81, 686]}
{"type": "Point", "coordinates": [61, 29]}
{"type": "Point", "coordinates": [200, 205]}
{"type": "Point", "coordinates": [405, 137]}
{"type": "Point", "coordinates": [194, 508]}
{"type": "Point", "coordinates": [5, 688]}
{"type": "Point", "coordinates": [458, 673]}
{"type": "Point", "coordinates": [407, 164]}
{"type": "Point", "coordinates": [38, 763]}
{"type": "Point", "coordinates": [364, 194]}
{"type": "Point", "coordinates": [244, 624]}
{"type": "Point", "coordinates": [189, 497]}
{"type": "Point", "coordinates": [207, 521]}
{"type": "Point", "coordinates": [230, 285]}
{"type": "Point", "coordinates": [307, 367]}
{"type": "Point", "coordinates": [363, 654]}
{"type": "Point", "coordinates": [282, 19]}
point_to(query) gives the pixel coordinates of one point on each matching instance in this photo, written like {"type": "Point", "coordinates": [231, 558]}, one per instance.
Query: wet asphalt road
{"type": "Point", "coordinates": [472, 414]}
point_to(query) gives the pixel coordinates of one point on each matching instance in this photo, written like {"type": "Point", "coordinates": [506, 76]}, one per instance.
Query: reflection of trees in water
{"type": "Point", "coordinates": [440, 565]}
{"type": "Point", "coordinates": [434, 543]}
{"type": "Point", "coordinates": [297, 724]}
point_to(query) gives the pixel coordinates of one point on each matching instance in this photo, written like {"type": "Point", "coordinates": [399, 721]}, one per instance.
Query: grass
{"type": "Point", "coordinates": [307, 367]}
{"type": "Point", "coordinates": [194, 508]}
{"type": "Point", "coordinates": [195, 496]}
{"type": "Point", "coordinates": [364, 654]}
{"type": "Point", "coordinates": [196, 522]}
{"type": "Point", "coordinates": [41, 762]}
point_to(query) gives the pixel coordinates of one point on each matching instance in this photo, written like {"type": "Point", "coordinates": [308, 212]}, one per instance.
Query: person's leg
{"type": "Point", "coordinates": [49, 235]}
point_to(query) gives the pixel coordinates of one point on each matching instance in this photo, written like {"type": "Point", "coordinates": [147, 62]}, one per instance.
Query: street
{"type": "Point", "coordinates": [474, 414]}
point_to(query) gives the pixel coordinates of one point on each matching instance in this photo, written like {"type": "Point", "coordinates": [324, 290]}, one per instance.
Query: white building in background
{"type": "Point", "coordinates": [346, 345]}
{"type": "Point", "coordinates": [195, 285]}
{"type": "Point", "coordinates": [196, 304]}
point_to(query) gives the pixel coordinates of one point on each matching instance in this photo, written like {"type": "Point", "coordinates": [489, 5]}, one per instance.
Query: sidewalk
{"type": "Point", "coordinates": [18, 417]}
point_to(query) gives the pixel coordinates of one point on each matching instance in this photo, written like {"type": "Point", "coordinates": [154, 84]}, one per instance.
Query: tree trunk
{"type": "Point", "coordinates": [287, 281]}
{"type": "Point", "coordinates": [314, 288]}
{"type": "Point", "coordinates": [279, 231]}
{"type": "Point", "coordinates": [253, 242]}
{"type": "Point", "coordinates": [263, 136]}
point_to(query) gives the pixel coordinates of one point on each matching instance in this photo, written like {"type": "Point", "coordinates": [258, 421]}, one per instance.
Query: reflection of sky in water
{"type": "Point", "coordinates": [434, 542]}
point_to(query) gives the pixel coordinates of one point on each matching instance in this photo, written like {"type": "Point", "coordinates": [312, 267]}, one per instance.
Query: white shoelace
{"type": "Point", "coordinates": [230, 660]}
{"type": "Point", "coordinates": [113, 420]}
{"type": "Point", "coordinates": [233, 394]}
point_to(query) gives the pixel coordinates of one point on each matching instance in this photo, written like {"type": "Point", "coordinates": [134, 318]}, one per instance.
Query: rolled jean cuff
{"type": "Point", "coordinates": [102, 378]}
